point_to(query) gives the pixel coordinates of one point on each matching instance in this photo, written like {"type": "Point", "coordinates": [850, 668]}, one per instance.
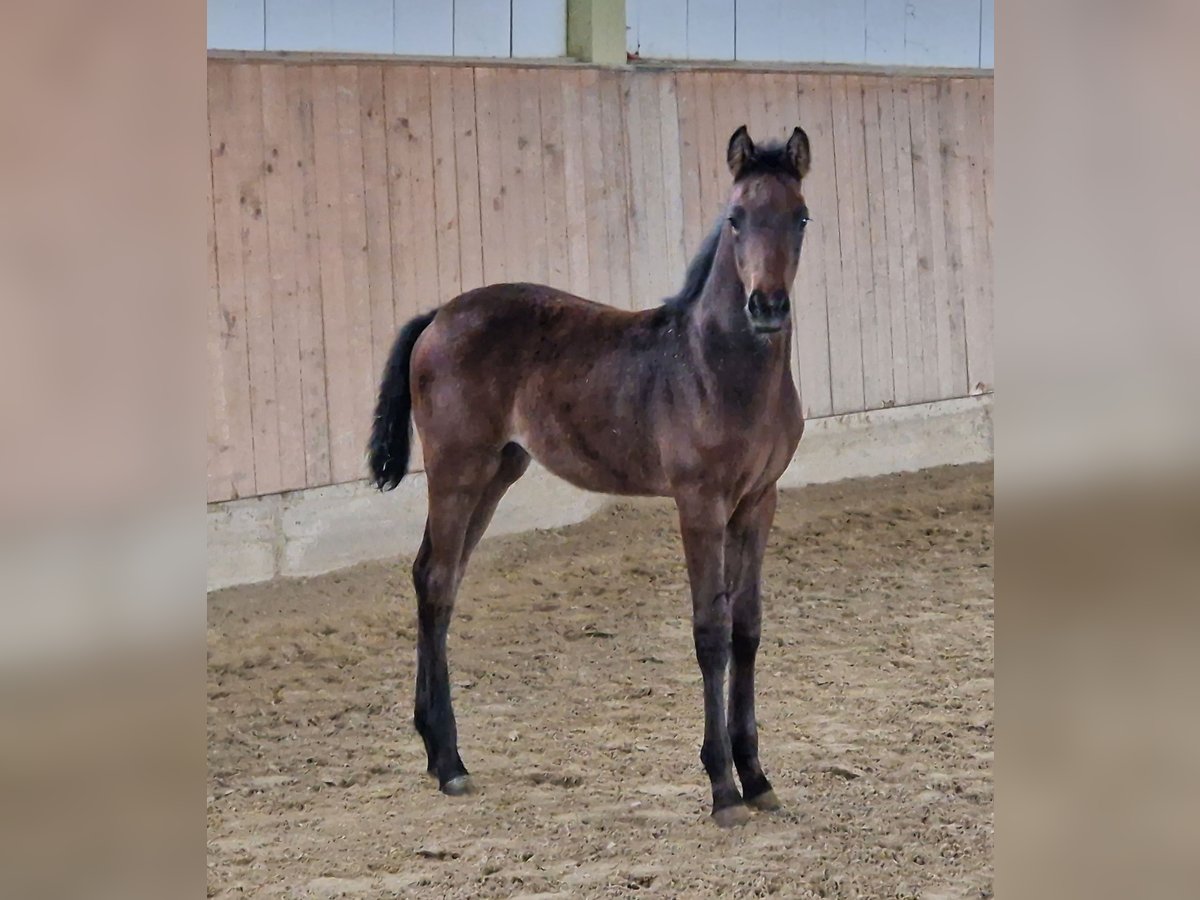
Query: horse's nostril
{"type": "Point", "coordinates": [780, 302]}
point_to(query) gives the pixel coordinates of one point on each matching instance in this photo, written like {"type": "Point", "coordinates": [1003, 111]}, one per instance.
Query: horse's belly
{"type": "Point", "coordinates": [604, 476]}
{"type": "Point", "coordinates": [594, 458]}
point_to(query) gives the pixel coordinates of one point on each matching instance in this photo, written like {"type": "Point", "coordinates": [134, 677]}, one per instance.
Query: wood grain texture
{"type": "Point", "coordinates": [575, 176]}
{"type": "Point", "coordinates": [467, 167]}
{"type": "Point", "coordinates": [373, 110]}
{"type": "Point", "coordinates": [307, 264]}
{"type": "Point", "coordinates": [339, 365]}
{"type": "Point", "coordinates": [845, 307]}
{"type": "Point", "coordinates": [902, 210]}
{"type": "Point", "coordinates": [283, 192]}
{"type": "Point", "coordinates": [672, 182]}
{"type": "Point", "coordinates": [616, 202]}
{"type": "Point", "coordinates": [228, 173]}
{"type": "Point", "coordinates": [597, 187]}
{"type": "Point", "coordinates": [554, 184]}
{"type": "Point", "coordinates": [691, 194]}
{"type": "Point", "coordinates": [219, 463]}
{"type": "Point", "coordinates": [878, 356]}
{"type": "Point", "coordinates": [445, 181]}
{"type": "Point", "coordinates": [950, 340]}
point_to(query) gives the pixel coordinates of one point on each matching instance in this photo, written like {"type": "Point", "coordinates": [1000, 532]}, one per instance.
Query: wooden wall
{"type": "Point", "coordinates": [348, 197]}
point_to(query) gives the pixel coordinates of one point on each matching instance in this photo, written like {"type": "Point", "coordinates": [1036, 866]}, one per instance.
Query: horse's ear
{"type": "Point", "coordinates": [798, 152]}
{"type": "Point", "coordinates": [741, 150]}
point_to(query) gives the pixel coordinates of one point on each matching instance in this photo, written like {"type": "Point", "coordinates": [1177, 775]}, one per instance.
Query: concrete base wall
{"type": "Point", "coordinates": [318, 530]}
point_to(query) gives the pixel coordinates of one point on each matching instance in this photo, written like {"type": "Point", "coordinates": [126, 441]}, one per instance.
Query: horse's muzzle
{"type": "Point", "coordinates": [768, 312]}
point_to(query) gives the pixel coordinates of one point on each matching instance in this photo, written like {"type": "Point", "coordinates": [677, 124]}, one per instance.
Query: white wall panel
{"type": "Point", "coordinates": [235, 24]}
{"type": "Point", "coordinates": [539, 28]}
{"type": "Point", "coordinates": [710, 29]}
{"type": "Point", "coordinates": [942, 33]}
{"type": "Point", "coordinates": [300, 25]}
{"type": "Point", "coordinates": [482, 28]}
{"type": "Point", "coordinates": [885, 31]}
{"type": "Point", "coordinates": [759, 31]}
{"type": "Point", "coordinates": [363, 26]}
{"type": "Point", "coordinates": [347, 26]}
{"type": "Point", "coordinates": [423, 28]}
{"type": "Point", "coordinates": [843, 30]}
{"type": "Point", "coordinates": [662, 31]}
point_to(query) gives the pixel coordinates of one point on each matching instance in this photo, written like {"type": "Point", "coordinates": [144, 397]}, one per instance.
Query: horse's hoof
{"type": "Point", "coordinates": [729, 816]}
{"type": "Point", "coordinates": [458, 786]}
{"type": "Point", "coordinates": [765, 802]}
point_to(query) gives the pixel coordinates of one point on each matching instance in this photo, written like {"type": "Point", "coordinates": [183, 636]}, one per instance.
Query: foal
{"type": "Point", "coordinates": [693, 400]}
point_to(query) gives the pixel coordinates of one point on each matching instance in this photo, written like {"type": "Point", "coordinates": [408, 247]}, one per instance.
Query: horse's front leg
{"type": "Point", "coordinates": [745, 544]}
{"type": "Point", "coordinates": [702, 521]}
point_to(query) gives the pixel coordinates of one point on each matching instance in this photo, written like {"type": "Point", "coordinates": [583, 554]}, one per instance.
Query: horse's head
{"type": "Point", "coordinates": [767, 216]}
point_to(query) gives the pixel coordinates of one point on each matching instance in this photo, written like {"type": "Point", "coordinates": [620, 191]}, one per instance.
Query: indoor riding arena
{"type": "Point", "coordinates": [370, 161]}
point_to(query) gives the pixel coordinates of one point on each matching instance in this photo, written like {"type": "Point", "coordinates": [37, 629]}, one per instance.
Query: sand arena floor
{"type": "Point", "coordinates": [579, 709]}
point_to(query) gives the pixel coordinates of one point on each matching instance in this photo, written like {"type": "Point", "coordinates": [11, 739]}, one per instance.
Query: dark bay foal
{"type": "Point", "coordinates": [693, 400]}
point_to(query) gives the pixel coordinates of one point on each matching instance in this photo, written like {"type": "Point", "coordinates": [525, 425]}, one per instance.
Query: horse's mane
{"type": "Point", "coordinates": [697, 270]}
{"type": "Point", "coordinates": [768, 159]}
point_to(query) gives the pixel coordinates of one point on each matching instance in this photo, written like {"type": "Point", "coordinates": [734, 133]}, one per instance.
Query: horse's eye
{"type": "Point", "coordinates": [733, 223]}
{"type": "Point", "coordinates": [801, 221]}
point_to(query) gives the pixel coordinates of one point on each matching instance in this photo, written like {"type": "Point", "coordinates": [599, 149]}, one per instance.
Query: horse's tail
{"type": "Point", "coordinates": [391, 433]}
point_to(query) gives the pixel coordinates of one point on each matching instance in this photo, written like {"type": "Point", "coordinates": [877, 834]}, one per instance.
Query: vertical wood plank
{"type": "Point", "coordinates": [670, 139]}
{"type": "Point", "coordinates": [339, 366]}
{"type": "Point", "coordinates": [282, 194]}
{"type": "Point", "coordinates": [987, 103]}
{"type": "Point", "coordinates": [642, 258]}
{"type": "Point", "coordinates": [491, 198]}
{"type": "Point", "coordinates": [661, 277]}
{"type": "Point", "coordinates": [468, 166]}
{"type": "Point", "coordinates": [903, 247]}
{"type": "Point", "coordinates": [971, 214]}
{"type": "Point", "coordinates": [575, 177]}
{"type": "Point", "coordinates": [951, 340]}
{"type": "Point", "coordinates": [845, 327]}
{"type": "Point", "coordinates": [710, 152]}
{"type": "Point", "coordinates": [876, 374]}
{"type": "Point", "coordinates": [360, 375]}
{"type": "Point", "coordinates": [224, 133]}
{"type": "Point", "coordinates": [311, 324]}
{"type": "Point", "coordinates": [373, 112]}
{"type": "Point", "coordinates": [554, 179]}
{"type": "Point", "coordinates": [695, 214]}
{"type": "Point", "coordinates": [445, 182]}
{"type": "Point", "coordinates": [931, 273]}
{"type": "Point", "coordinates": [512, 210]}
{"type": "Point", "coordinates": [424, 209]}
{"type": "Point", "coordinates": [260, 336]}
{"type": "Point", "coordinates": [616, 153]}
{"type": "Point", "coordinates": [881, 348]}
{"type": "Point", "coordinates": [219, 464]}
{"type": "Point", "coordinates": [600, 270]}
{"type": "Point", "coordinates": [529, 186]}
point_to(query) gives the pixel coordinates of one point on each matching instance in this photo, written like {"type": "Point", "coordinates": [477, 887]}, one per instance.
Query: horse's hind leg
{"type": "Point", "coordinates": [745, 543]}
{"type": "Point", "coordinates": [513, 463]}
{"type": "Point", "coordinates": [463, 495]}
